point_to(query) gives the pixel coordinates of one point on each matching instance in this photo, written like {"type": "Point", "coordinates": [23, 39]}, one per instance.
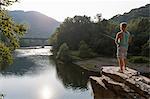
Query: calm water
{"type": "Point", "coordinates": [34, 75]}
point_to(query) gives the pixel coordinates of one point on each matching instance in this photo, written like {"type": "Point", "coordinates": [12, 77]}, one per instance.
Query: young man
{"type": "Point", "coordinates": [122, 41]}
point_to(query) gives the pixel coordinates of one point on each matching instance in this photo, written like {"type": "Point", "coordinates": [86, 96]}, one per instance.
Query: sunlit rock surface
{"type": "Point", "coordinates": [115, 85]}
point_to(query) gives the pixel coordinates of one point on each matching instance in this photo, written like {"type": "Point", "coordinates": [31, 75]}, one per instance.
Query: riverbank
{"type": "Point", "coordinates": [115, 85]}
{"type": "Point", "coordinates": [95, 64]}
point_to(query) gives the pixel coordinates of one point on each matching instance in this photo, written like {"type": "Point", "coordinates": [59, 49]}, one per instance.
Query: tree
{"type": "Point", "coordinates": [7, 2]}
{"type": "Point", "coordinates": [99, 36]}
{"type": "Point", "coordinates": [5, 55]}
{"type": "Point", "coordinates": [72, 31]}
{"type": "Point", "coordinates": [64, 54]}
{"type": "Point", "coordinates": [10, 33]}
{"type": "Point", "coordinates": [146, 49]}
{"type": "Point", "coordinates": [98, 17]}
{"type": "Point", "coordinates": [140, 28]}
{"type": "Point", "coordinates": [84, 50]}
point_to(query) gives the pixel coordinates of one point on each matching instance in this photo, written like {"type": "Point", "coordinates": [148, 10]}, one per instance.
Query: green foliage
{"type": "Point", "coordinates": [84, 50]}
{"type": "Point", "coordinates": [99, 41]}
{"type": "Point", "coordinates": [72, 31]}
{"type": "Point", "coordinates": [133, 14]}
{"type": "Point", "coordinates": [8, 2]}
{"type": "Point", "coordinates": [138, 59]}
{"type": "Point", "coordinates": [75, 55]}
{"type": "Point", "coordinates": [5, 55]}
{"type": "Point", "coordinates": [138, 25]}
{"type": "Point", "coordinates": [146, 49]}
{"type": "Point", "coordinates": [10, 32]}
{"type": "Point", "coordinates": [97, 36]}
{"type": "Point", "coordinates": [140, 29]}
{"type": "Point", "coordinates": [64, 54]}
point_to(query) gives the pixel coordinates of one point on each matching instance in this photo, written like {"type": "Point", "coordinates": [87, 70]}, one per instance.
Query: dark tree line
{"type": "Point", "coordinates": [99, 35]}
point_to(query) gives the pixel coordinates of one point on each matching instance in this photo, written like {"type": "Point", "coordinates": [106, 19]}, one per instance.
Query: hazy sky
{"type": "Point", "coordinates": [60, 9]}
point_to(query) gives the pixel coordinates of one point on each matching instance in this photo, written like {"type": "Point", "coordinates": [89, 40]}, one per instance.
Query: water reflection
{"type": "Point", "coordinates": [73, 76]}
{"type": "Point", "coordinates": [39, 77]}
{"type": "Point", "coordinates": [20, 67]}
{"type": "Point", "coordinates": [28, 65]}
{"type": "Point", "coordinates": [46, 92]}
{"type": "Point", "coordinates": [29, 82]}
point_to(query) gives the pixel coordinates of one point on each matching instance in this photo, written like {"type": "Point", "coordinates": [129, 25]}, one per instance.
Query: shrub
{"type": "Point", "coordinates": [64, 54]}
{"type": "Point", "coordinates": [138, 59]}
{"type": "Point", "coordinates": [84, 50]}
{"type": "Point", "coordinates": [146, 49]}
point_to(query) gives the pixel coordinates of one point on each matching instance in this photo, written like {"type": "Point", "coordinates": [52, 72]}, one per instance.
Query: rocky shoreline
{"type": "Point", "coordinates": [96, 63]}
{"type": "Point", "coordinates": [127, 85]}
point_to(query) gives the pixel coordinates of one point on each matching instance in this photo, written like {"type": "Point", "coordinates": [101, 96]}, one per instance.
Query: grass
{"type": "Point", "coordinates": [139, 59]}
{"type": "Point", "coordinates": [89, 66]}
{"type": "Point", "coordinates": [75, 55]}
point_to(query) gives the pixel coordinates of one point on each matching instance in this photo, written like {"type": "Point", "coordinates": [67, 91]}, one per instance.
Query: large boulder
{"type": "Point", "coordinates": [130, 84]}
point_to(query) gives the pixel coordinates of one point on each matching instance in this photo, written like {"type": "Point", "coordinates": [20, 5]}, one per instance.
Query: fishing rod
{"type": "Point", "coordinates": [108, 36]}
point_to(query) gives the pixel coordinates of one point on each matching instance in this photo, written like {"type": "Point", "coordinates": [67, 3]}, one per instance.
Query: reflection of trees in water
{"type": "Point", "coordinates": [52, 61]}
{"type": "Point", "coordinates": [73, 76]}
{"type": "Point", "coordinates": [23, 65]}
{"type": "Point", "coordinates": [20, 66]}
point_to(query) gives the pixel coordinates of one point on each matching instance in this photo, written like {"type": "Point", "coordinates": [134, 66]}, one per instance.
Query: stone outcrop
{"type": "Point", "coordinates": [127, 85]}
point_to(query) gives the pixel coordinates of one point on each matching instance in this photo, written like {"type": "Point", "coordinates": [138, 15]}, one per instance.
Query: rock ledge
{"type": "Point", "coordinates": [127, 85]}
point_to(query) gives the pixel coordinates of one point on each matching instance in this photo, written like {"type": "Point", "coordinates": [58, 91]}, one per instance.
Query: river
{"type": "Point", "coordinates": [34, 75]}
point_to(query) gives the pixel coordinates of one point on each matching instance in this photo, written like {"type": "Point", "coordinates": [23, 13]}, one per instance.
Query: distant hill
{"type": "Point", "coordinates": [133, 14]}
{"type": "Point", "coordinates": [40, 25]}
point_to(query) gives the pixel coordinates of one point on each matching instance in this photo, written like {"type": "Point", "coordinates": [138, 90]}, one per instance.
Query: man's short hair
{"type": "Point", "coordinates": [123, 24]}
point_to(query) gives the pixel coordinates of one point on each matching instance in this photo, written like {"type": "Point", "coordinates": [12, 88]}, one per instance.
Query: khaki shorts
{"type": "Point", "coordinates": [121, 52]}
